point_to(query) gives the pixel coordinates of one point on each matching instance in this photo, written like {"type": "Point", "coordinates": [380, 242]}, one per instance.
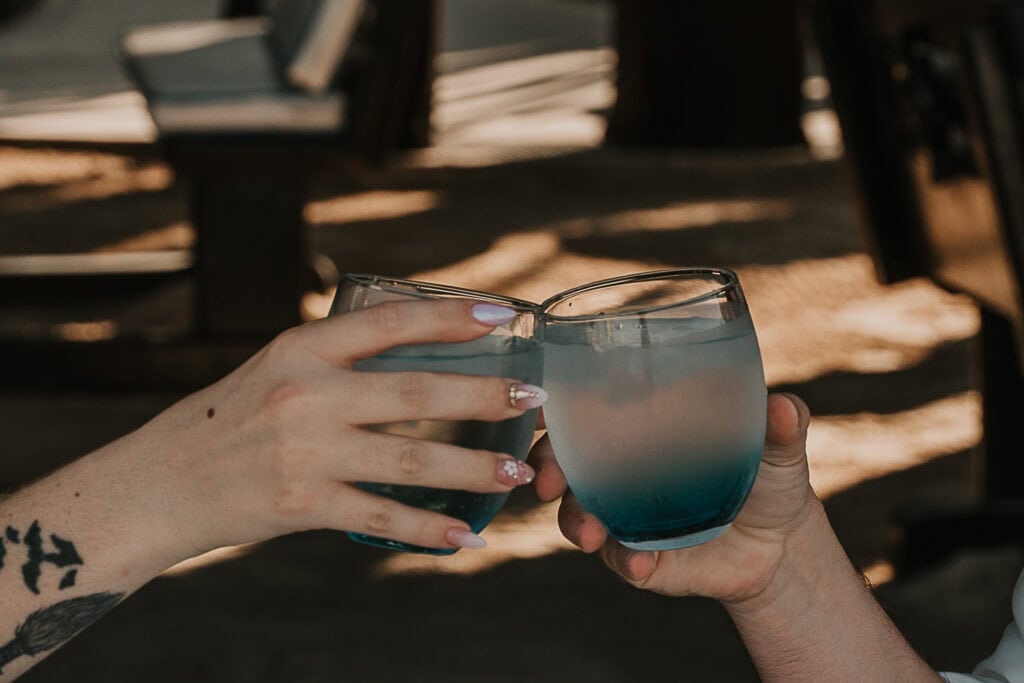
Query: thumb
{"type": "Point", "coordinates": [786, 436]}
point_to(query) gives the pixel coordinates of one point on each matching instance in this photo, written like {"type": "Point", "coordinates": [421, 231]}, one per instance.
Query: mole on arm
{"type": "Point", "coordinates": [210, 413]}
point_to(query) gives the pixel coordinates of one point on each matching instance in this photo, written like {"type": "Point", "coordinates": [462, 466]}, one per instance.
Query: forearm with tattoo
{"type": "Point", "coordinates": [49, 627]}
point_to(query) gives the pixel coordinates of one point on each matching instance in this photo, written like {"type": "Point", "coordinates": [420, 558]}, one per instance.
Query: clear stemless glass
{"type": "Point", "coordinates": [511, 350]}
{"type": "Point", "coordinates": [657, 401]}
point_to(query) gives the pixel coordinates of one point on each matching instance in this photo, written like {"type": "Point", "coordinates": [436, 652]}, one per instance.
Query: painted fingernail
{"type": "Point", "coordinates": [512, 472]}
{"type": "Point", "coordinates": [464, 538]}
{"type": "Point", "coordinates": [526, 396]}
{"type": "Point", "coordinates": [493, 314]}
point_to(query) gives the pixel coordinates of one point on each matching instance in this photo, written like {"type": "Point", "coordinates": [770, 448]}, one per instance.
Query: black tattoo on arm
{"type": "Point", "coordinates": [65, 556]}
{"type": "Point", "coordinates": [12, 537]}
{"type": "Point", "coordinates": [68, 580]}
{"type": "Point", "coordinates": [52, 626]}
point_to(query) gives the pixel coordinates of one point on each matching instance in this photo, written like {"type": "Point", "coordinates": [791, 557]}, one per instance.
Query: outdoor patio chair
{"type": "Point", "coordinates": [928, 95]}
{"type": "Point", "coordinates": [249, 75]}
{"type": "Point", "coordinates": [248, 110]}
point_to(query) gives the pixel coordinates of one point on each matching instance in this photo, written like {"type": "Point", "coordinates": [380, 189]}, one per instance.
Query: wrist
{"type": "Point", "coordinates": [91, 526]}
{"type": "Point", "coordinates": [163, 465]}
{"type": "Point", "coordinates": [817, 620]}
{"type": "Point", "coordinates": [133, 493]}
{"type": "Point", "coordinates": [809, 551]}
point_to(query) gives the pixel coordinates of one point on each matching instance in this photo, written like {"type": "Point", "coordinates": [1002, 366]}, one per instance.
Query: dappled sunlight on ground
{"type": "Point", "coordinates": [178, 235]}
{"type": "Point", "coordinates": [815, 316]}
{"type": "Point", "coordinates": [540, 99]}
{"type": "Point", "coordinates": [850, 449]}
{"type": "Point", "coordinates": [92, 331]}
{"type": "Point", "coordinates": [47, 167]}
{"type": "Point", "coordinates": [376, 205]}
{"type": "Point", "coordinates": [150, 178]}
{"type": "Point", "coordinates": [678, 216]}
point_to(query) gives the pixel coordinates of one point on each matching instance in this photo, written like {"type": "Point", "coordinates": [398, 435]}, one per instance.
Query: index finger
{"type": "Point", "coordinates": [347, 337]}
{"type": "Point", "coordinates": [579, 527]}
{"type": "Point", "coordinates": [550, 483]}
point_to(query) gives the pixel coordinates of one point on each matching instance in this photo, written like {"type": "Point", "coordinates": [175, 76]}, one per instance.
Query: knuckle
{"type": "Point", "coordinates": [387, 318]}
{"type": "Point", "coordinates": [380, 519]}
{"type": "Point", "coordinates": [294, 498]}
{"type": "Point", "coordinates": [427, 534]}
{"type": "Point", "coordinates": [285, 343]}
{"type": "Point", "coordinates": [412, 458]}
{"type": "Point", "coordinates": [414, 391]}
{"type": "Point", "coordinates": [498, 393]}
{"type": "Point", "coordinates": [286, 396]}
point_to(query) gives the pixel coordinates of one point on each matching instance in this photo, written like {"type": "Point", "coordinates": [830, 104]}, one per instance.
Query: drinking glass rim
{"type": "Point", "coordinates": [732, 281]}
{"type": "Point", "coordinates": [425, 289]}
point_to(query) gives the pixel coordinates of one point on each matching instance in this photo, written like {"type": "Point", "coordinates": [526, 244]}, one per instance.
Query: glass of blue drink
{"type": "Point", "coordinates": [511, 350]}
{"type": "Point", "coordinates": [657, 401]}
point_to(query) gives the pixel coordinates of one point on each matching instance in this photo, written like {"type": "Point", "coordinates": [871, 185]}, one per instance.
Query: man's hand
{"type": "Point", "coordinates": [738, 564]}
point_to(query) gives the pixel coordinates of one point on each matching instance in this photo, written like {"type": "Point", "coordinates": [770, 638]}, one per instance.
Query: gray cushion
{"type": "Point", "coordinates": [224, 76]}
{"type": "Point", "coordinates": [227, 56]}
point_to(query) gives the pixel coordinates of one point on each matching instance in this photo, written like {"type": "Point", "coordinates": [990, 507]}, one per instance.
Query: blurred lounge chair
{"type": "Point", "coordinates": [249, 109]}
{"type": "Point", "coordinates": [264, 75]}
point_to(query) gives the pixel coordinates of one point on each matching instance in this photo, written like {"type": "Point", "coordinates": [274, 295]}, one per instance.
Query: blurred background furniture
{"type": "Point", "coordinates": [929, 96]}
{"type": "Point", "coordinates": [249, 109]}
{"type": "Point", "coordinates": [13, 8]}
{"type": "Point", "coordinates": [707, 74]}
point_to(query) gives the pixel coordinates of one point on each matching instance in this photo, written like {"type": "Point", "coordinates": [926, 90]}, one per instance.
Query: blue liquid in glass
{"type": "Point", "coordinates": [494, 355]}
{"type": "Point", "coordinates": [658, 424]}
{"type": "Point", "coordinates": [693, 501]}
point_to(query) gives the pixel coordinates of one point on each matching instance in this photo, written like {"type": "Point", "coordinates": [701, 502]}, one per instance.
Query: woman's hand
{"type": "Point", "coordinates": [740, 563]}
{"type": "Point", "coordinates": [276, 446]}
{"type": "Point", "coordinates": [272, 448]}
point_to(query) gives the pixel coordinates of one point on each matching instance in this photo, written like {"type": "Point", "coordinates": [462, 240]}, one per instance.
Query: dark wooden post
{"type": "Point", "coordinates": [1002, 384]}
{"type": "Point", "coordinates": [390, 96]}
{"type": "Point", "coordinates": [252, 251]}
{"type": "Point", "coordinates": [417, 132]}
{"type": "Point", "coordinates": [243, 8]}
{"type": "Point", "coordinates": [707, 73]}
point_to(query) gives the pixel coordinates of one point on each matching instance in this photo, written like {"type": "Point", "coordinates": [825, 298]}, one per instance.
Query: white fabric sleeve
{"type": "Point", "coordinates": [1006, 664]}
